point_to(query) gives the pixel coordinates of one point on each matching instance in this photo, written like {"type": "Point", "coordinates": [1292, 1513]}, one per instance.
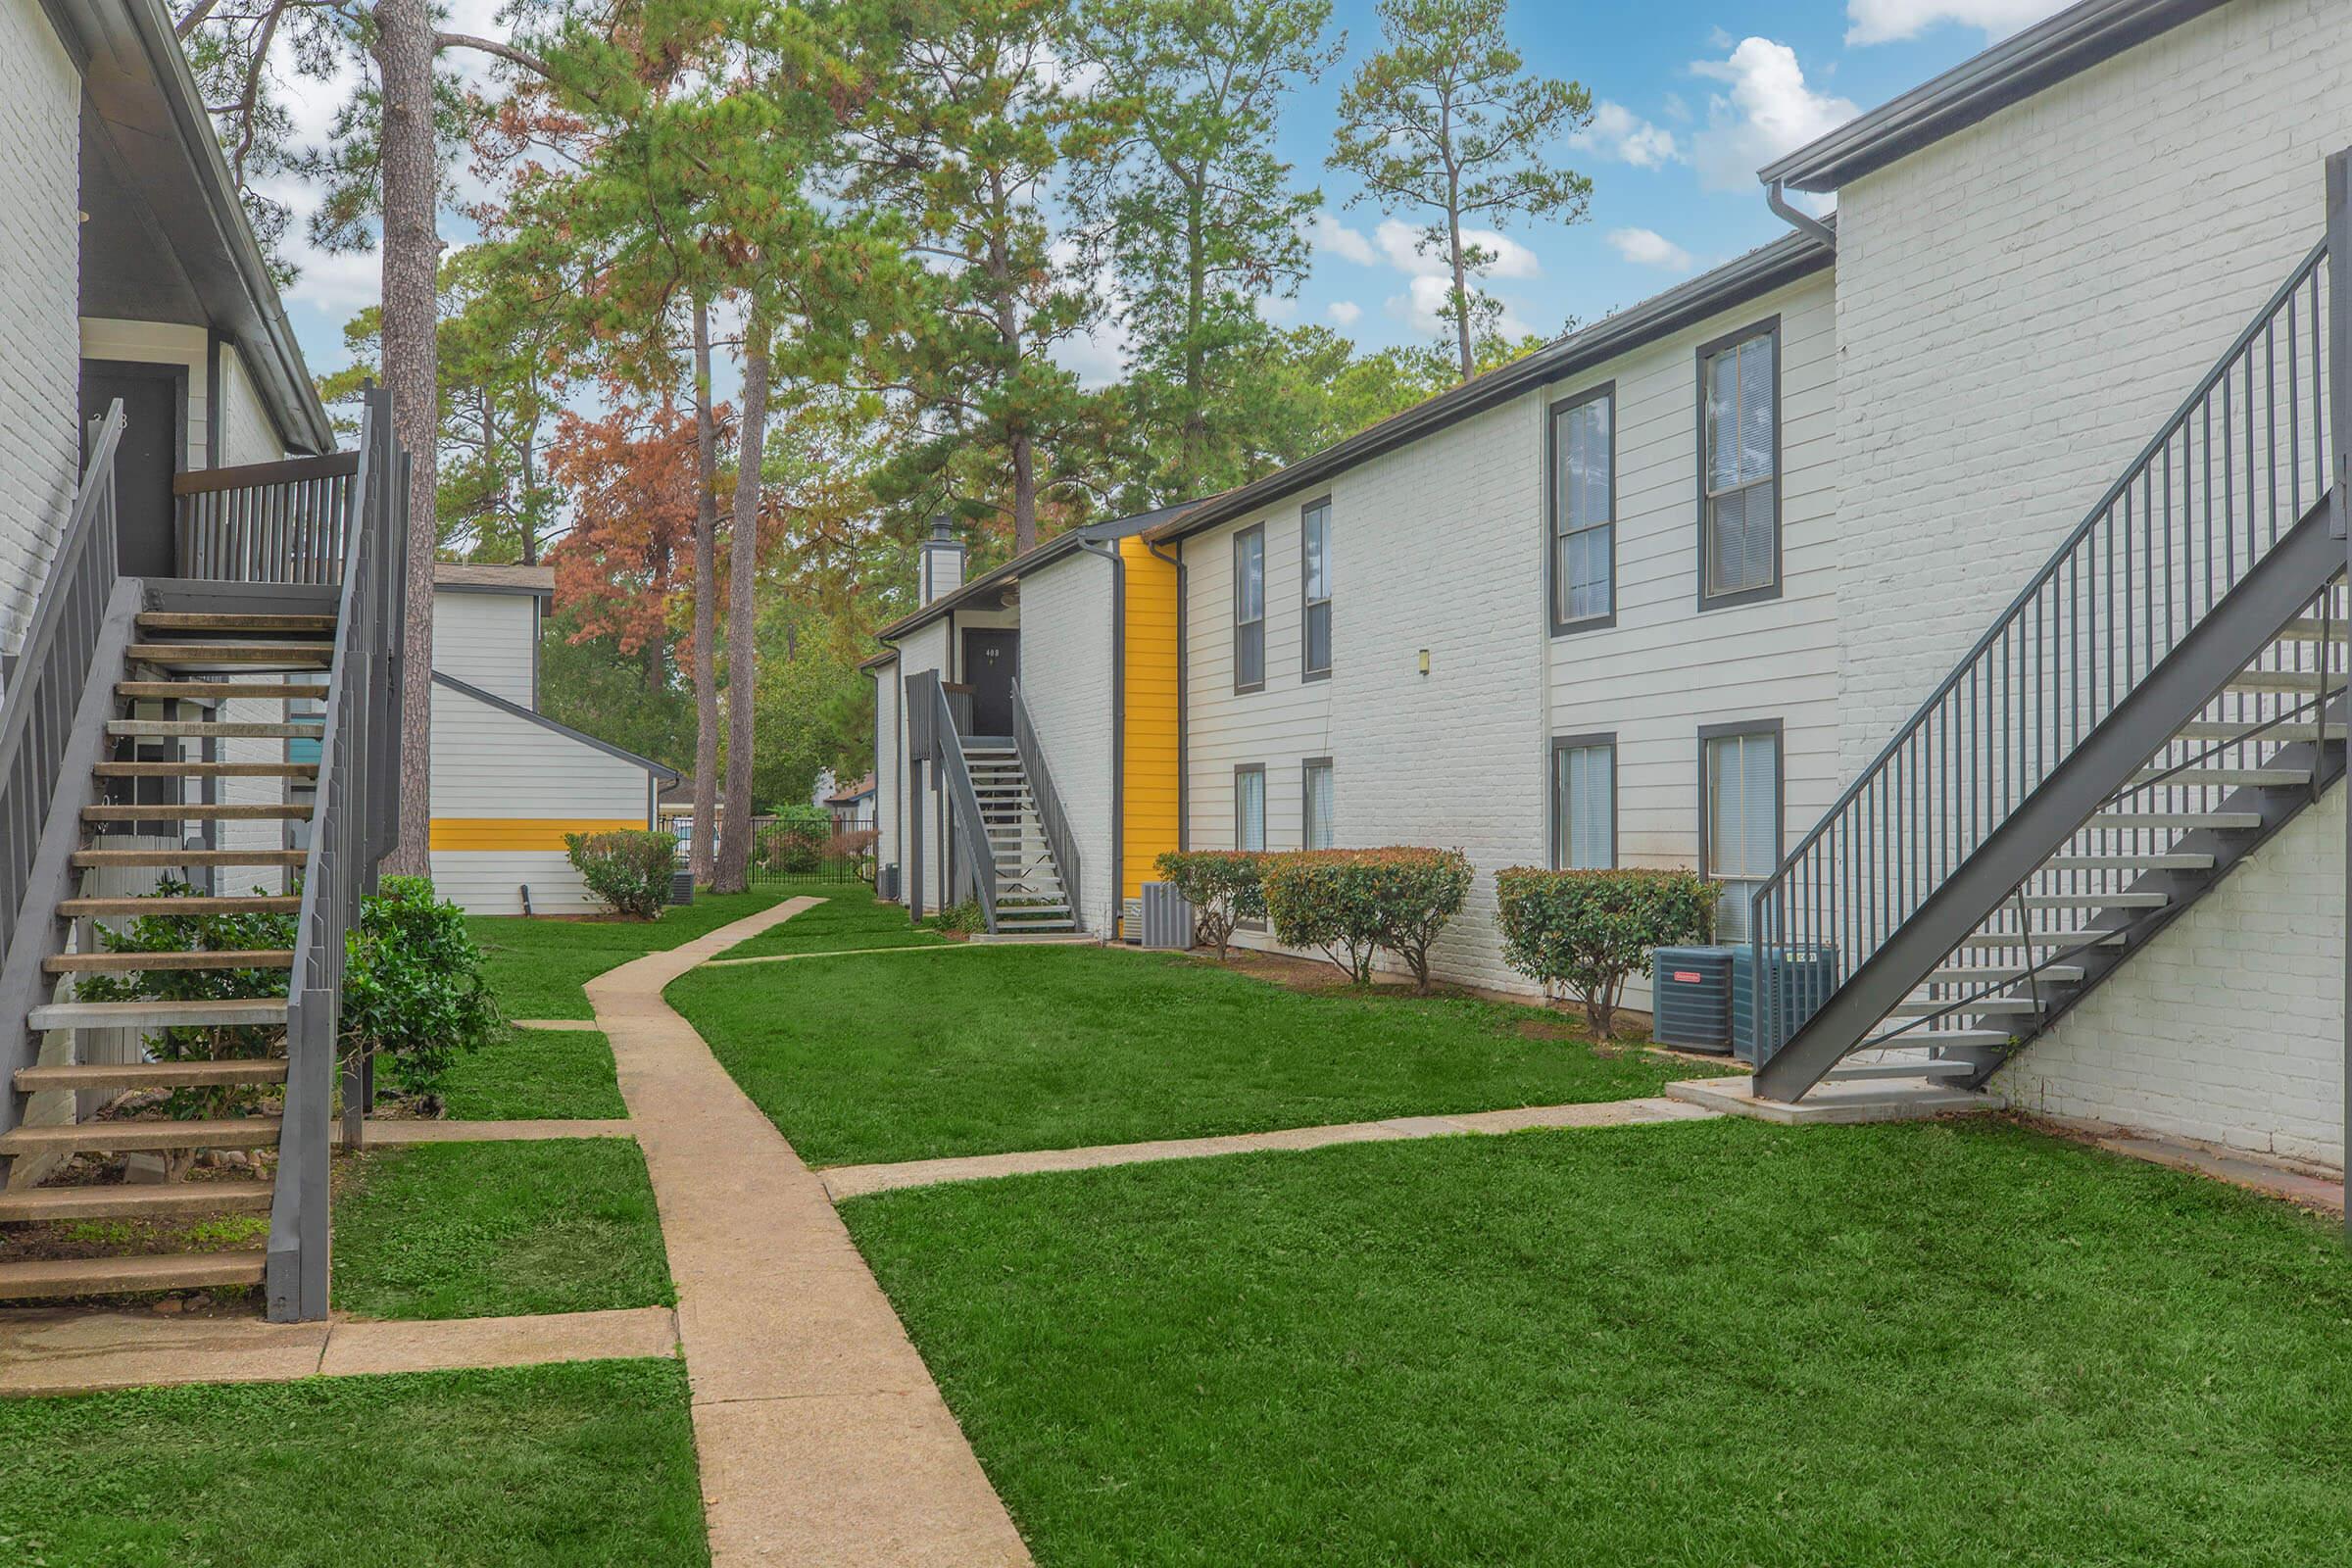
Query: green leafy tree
{"type": "Point", "coordinates": [1444, 121]}
{"type": "Point", "coordinates": [413, 988]}
{"type": "Point", "coordinates": [958, 141]}
{"type": "Point", "coordinates": [1181, 188]}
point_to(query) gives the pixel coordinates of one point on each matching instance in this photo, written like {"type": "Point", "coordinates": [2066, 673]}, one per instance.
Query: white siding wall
{"type": "Point", "coordinates": [2021, 306]}
{"type": "Point", "coordinates": [488, 640]}
{"type": "Point", "coordinates": [1066, 681]}
{"type": "Point", "coordinates": [248, 434]}
{"type": "Point", "coordinates": [1440, 546]}
{"type": "Point", "coordinates": [923, 649]}
{"type": "Point", "coordinates": [890, 776]}
{"type": "Point", "coordinates": [39, 276]}
{"type": "Point", "coordinates": [488, 763]}
{"type": "Point", "coordinates": [161, 343]}
{"type": "Point", "coordinates": [2229, 1027]}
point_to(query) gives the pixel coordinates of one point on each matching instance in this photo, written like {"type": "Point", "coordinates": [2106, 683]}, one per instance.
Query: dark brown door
{"type": "Point", "coordinates": [992, 658]}
{"type": "Point", "coordinates": [154, 401]}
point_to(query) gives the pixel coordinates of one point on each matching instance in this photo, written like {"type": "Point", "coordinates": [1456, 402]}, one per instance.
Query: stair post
{"type": "Point", "coordinates": [2339, 431]}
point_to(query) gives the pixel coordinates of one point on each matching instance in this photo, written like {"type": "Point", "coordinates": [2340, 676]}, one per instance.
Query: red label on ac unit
{"type": "Point", "coordinates": [1686, 977]}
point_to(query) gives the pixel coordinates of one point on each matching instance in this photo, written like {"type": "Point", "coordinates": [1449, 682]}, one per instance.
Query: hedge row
{"type": "Point", "coordinates": [1588, 932]}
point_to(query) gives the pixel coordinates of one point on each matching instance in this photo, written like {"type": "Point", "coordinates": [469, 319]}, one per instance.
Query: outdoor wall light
{"type": "Point", "coordinates": [1424, 660]}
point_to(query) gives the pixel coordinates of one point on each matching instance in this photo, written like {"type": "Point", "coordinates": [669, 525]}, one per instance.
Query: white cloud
{"type": "Point", "coordinates": [1402, 244]}
{"type": "Point", "coordinates": [1423, 307]}
{"type": "Point", "coordinates": [1328, 233]}
{"type": "Point", "coordinates": [1346, 312]}
{"type": "Point", "coordinates": [1889, 20]}
{"type": "Point", "coordinates": [1765, 110]}
{"type": "Point", "coordinates": [1281, 310]}
{"type": "Point", "coordinates": [1646, 247]}
{"type": "Point", "coordinates": [1617, 132]}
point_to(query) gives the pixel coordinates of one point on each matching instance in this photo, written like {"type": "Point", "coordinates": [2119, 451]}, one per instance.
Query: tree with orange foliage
{"type": "Point", "coordinates": [633, 478]}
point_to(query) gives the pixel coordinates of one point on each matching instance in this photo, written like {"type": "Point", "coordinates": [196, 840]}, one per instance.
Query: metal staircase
{"type": "Point", "coordinates": [113, 768]}
{"type": "Point", "coordinates": [1007, 844]}
{"type": "Point", "coordinates": [2161, 699]}
{"type": "Point", "coordinates": [1030, 895]}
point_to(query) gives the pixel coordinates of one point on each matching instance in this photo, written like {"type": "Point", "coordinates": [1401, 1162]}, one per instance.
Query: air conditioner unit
{"type": "Point", "coordinates": [681, 887]}
{"type": "Point", "coordinates": [1690, 997]}
{"type": "Point", "coordinates": [1802, 979]}
{"type": "Point", "coordinates": [886, 884]}
{"type": "Point", "coordinates": [1131, 923]}
{"type": "Point", "coordinates": [1166, 918]}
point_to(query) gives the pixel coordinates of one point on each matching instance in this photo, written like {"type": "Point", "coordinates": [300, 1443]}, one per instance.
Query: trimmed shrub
{"type": "Point", "coordinates": [628, 869]}
{"type": "Point", "coordinates": [1586, 932]}
{"type": "Point", "coordinates": [1221, 886]}
{"type": "Point", "coordinates": [960, 919]}
{"type": "Point", "coordinates": [1353, 904]}
{"type": "Point", "coordinates": [413, 988]}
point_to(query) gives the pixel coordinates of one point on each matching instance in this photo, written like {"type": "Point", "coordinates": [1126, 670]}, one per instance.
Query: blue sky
{"type": "Point", "coordinates": [1692, 98]}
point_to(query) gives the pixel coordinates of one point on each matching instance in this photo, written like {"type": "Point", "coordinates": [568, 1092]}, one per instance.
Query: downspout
{"type": "Point", "coordinates": [1184, 828]}
{"type": "Point", "coordinates": [1118, 729]}
{"type": "Point", "coordinates": [1803, 222]}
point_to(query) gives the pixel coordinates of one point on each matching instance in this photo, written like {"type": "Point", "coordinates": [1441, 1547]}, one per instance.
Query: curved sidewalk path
{"type": "Point", "coordinates": [822, 1437]}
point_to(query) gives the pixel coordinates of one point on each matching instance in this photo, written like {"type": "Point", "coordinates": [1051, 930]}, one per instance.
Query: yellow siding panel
{"type": "Point", "coordinates": [1150, 787]}
{"type": "Point", "coordinates": [520, 832]}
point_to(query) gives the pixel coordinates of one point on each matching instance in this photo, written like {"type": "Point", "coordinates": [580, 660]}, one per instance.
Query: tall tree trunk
{"type": "Point", "coordinates": [411, 250]}
{"type": "Point", "coordinates": [526, 517]}
{"type": "Point", "coordinates": [1461, 291]}
{"type": "Point", "coordinates": [702, 855]}
{"type": "Point", "coordinates": [1024, 493]}
{"type": "Point", "coordinates": [733, 875]}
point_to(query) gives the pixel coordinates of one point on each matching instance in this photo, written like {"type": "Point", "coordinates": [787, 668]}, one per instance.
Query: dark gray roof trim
{"type": "Point", "coordinates": [1775, 265]}
{"type": "Point", "coordinates": [545, 722]}
{"type": "Point", "coordinates": [135, 72]}
{"type": "Point", "coordinates": [2044, 54]}
{"type": "Point", "coordinates": [1019, 566]}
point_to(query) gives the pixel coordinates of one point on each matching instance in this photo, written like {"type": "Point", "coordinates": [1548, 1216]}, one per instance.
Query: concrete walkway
{"type": "Point", "coordinates": [856, 1181]}
{"type": "Point", "coordinates": [64, 1351]}
{"type": "Point", "coordinates": [822, 1437]}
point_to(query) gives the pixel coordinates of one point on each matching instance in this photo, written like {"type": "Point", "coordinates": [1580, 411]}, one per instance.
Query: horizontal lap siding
{"type": "Point", "coordinates": [491, 767]}
{"type": "Point", "coordinates": [1154, 793]}
{"type": "Point", "coordinates": [39, 355]}
{"type": "Point", "coordinates": [490, 640]}
{"type": "Point", "coordinates": [2023, 304]}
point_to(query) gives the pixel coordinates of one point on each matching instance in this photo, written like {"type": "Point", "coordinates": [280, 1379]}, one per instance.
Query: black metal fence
{"type": "Point", "coordinates": [840, 849]}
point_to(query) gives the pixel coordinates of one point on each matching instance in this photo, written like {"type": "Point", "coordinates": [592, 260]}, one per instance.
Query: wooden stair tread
{"type": "Point", "coordinates": [113, 1276]}
{"type": "Point", "coordinates": [205, 771]}
{"type": "Point", "coordinates": [195, 812]}
{"type": "Point", "coordinates": [290, 655]}
{"type": "Point", "coordinates": [115, 1077]}
{"type": "Point", "coordinates": [233, 1012]}
{"type": "Point", "coordinates": [119, 1201]}
{"type": "Point", "coordinates": [171, 856]}
{"type": "Point", "coordinates": [212, 729]}
{"type": "Point", "coordinates": [143, 963]}
{"type": "Point", "coordinates": [234, 1132]}
{"type": "Point", "coordinates": [251, 620]}
{"type": "Point", "coordinates": [193, 903]}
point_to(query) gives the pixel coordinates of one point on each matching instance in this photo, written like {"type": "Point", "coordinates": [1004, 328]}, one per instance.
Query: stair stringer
{"type": "Point", "coordinates": [37, 935]}
{"type": "Point", "coordinates": [2271, 594]}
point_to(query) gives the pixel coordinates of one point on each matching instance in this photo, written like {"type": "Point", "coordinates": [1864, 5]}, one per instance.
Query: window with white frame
{"type": "Point", "coordinates": [1739, 824]}
{"type": "Point", "coordinates": [1583, 510]}
{"type": "Point", "coordinates": [1250, 609]}
{"type": "Point", "coordinates": [1738, 387]}
{"type": "Point", "coordinates": [1250, 806]}
{"type": "Point", "coordinates": [1314, 545]}
{"type": "Point", "coordinates": [1584, 803]}
{"type": "Point", "coordinates": [1317, 802]}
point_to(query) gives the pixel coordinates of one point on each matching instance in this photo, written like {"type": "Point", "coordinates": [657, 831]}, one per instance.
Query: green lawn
{"type": "Point", "coordinates": [847, 921]}
{"type": "Point", "coordinates": [913, 1055]}
{"type": "Point", "coordinates": [530, 1074]}
{"type": "Point", "coordinates": [581, 1466]}
{"type": "Point", "coordinates": [487, 1230]}
{"type": "Point", "coordinates": [536, 966]}
{"type": "Point", "coordinates": [1700, 1344]}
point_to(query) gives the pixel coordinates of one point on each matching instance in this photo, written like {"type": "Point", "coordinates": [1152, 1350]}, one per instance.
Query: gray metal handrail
{"type": "Point", "coordinates": [355, 795]}
{"type": "Point", "coordinates": [1058, 837]}
{"type": "Point", "coordinates": [964, 802]}
{"type": "Point", "coordinates": [2233, 470]}
{"type": "Point", "coordinates": [51, 670]}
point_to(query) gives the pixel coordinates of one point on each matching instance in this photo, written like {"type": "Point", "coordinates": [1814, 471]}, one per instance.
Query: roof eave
{"type": "Point", "coordinates": [2048, 52]}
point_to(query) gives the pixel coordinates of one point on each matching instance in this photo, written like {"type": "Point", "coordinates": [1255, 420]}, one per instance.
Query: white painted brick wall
{"type": "Point", "coordinates": [1439, 545]}
{"type": "Point", "coordinates": [1066, 681]}
{"type": "Point", "coordinates": [2229, 1027]}
{"type": "Point", "coordinates": [2020, 307]}
{"type": "Point", "coordinates": [40, 94]}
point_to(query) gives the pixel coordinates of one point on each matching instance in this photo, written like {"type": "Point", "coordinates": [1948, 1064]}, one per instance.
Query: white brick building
{"type": "Point", "coordinates": [1574, 619]}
